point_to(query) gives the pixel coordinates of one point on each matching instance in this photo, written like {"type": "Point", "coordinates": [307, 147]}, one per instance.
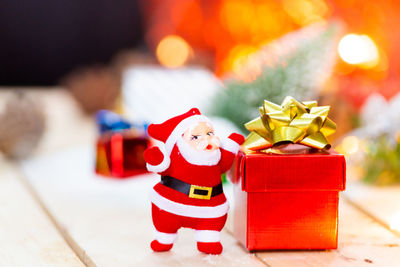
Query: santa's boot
{"type": "Point", "coordinates": [210, 247]}
{"type": "Point", "coordinates": [159, 247]}
{"type": "Point", "coordinates": [208, 241]}
{"type": "Point", "coordinates": [163, 241]}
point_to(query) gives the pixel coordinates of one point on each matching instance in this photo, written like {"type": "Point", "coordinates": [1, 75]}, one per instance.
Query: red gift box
{"type": "Point", "coordinates": [120, 154]}
{"type": "Point", "coordinates": [287, 201]}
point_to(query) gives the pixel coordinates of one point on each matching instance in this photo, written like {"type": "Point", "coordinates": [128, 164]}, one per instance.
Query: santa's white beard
{"type": "Point", "coordinates": [196, 157]}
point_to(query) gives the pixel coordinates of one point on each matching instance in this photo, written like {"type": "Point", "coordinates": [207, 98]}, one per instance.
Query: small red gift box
{"type": "Point", "coordinates": [120, 154]}
{"type": "Point", "coordinates": [287, 201]}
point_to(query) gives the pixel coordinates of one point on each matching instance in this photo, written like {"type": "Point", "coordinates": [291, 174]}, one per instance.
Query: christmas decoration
{"type": "Point", "coordinates": [375, 146]}
{"type": "Point", "coordinates": [22, 124]}
{"type": "Point", "coordinates": [119, 149]}
{"type": "Point", "coordinates": [382, 161]}
{"type": "Point", "coordinates": [190, 159]}
{"type": "Point", "coordinates": [286, 197]}
{"type": "Point", "coordinates": [297, 64]}
{"type": "Point", "coordinates": [292, 121]}
{"type": "Point", "coordinates": [380, 117]}
{"type": "Point", "coordinates": [94, 88]}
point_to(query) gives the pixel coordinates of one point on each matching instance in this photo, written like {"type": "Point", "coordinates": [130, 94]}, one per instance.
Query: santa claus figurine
{"type": "Point", "coordinates": [190, 161]}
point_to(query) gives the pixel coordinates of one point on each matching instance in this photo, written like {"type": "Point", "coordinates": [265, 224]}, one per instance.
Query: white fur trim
{"type": "Point", "coordinates": [207, 236]}
{"type": "Point", "coordinates": [163, 165]}
{"type": "Point", "coordinates": [230, 145]}
{"type": "Point", "coordinates": [165, 238]}
{"type": "Point", "coordinates": [181, 128]}
{"type": "Point", "coordinates": [188, 210]}
{"type": "Point", "coordinates": [193, 156]}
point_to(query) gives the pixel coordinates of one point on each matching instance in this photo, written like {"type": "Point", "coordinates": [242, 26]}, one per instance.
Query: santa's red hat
{"type": "Point", "coordinates": [169, 131]}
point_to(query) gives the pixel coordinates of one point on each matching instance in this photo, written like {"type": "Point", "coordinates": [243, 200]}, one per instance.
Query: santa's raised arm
{"type": "Point", "coordinates": [190, 160]}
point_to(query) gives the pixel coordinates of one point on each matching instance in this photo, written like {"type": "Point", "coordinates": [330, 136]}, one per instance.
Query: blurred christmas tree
{"type": "Point", "coordinates": [297, 64]}
{"type": "Point", "coordinates": [382, 162]}
{"type": "Point", "coordinates": [378, 155]}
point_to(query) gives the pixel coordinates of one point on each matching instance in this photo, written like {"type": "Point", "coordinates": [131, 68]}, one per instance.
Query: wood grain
{"type": "Point", "coordinates": [381, 203]}
{"type": "Point", "coordinates": [27, 235]}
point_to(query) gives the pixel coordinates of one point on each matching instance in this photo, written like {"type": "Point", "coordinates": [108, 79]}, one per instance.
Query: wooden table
{"type": "Point", "coordinates": [56, 212]}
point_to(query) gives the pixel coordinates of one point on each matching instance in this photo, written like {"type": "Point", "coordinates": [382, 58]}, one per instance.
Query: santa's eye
{"type": "Point", "coordinates": [195, 137]}
{"type": "Point", "coordinates": [210, 133]}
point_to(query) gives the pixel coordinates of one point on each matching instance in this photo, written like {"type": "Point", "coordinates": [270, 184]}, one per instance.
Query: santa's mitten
{"type": "Point", "coordinates": [160, 247]}
{"type": "Point", "coordinates": [238, 138]}
{"type": "Point", "coordinates": [153, 155]}
{"type": "Point", "coordinates": [210, 247]}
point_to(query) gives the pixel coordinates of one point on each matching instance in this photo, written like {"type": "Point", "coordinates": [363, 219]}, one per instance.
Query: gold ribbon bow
{"type": "Point", "coordinates": [293, 121]}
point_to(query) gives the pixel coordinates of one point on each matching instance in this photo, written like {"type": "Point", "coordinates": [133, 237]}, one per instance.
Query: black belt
{"type": "Point", "coordinates": [193, 191]}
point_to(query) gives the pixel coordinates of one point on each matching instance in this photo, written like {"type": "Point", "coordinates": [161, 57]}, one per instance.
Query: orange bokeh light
{"type": "Point", "coordinates": [305, 12]}
{"type": "Point", "coordinates": [237, 16]}
{"type": "Point", "coordinates": [173, 51]}
{"type": "Point", "coordinates": [240, 63]}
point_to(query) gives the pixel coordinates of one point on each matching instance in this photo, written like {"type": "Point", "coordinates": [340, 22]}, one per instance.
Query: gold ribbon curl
{"type": "Point", "coordinates": [291, 122]}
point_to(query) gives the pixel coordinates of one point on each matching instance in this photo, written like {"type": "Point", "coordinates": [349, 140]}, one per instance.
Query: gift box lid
{"type": "Point", "coordinates": [266, 172]}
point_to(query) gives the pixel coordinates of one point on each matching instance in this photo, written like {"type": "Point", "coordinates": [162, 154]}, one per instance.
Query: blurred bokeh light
{"type": "Point", "coordinates": [358, 50]}
{"type": "Point", "coordinates": [349, 145]}
{"type": "Point", "coordinates": [173, 51]}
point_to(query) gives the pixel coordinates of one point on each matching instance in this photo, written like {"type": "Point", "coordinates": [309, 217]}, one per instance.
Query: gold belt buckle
{"type": "Point", "coordinates": [193, 194]}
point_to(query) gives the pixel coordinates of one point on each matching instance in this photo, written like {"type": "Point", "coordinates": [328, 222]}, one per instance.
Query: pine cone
{"type": "Point", "coordinates": [22, 124]}
{"type": "Point", "coordinates": [94, 88]}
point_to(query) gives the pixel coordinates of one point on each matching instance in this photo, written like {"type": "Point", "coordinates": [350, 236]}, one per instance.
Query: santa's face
{"type": "Point", "coordinates": [199, 146]}
{"type": "Point", "coordinates": [201, 137]}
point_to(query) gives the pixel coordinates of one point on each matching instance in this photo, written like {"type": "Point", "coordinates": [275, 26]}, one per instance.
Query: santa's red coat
{"type": "Point", "coordinates": [209, 176]}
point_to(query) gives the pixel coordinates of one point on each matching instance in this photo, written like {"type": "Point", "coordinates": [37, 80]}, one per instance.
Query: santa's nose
{"type": "Point", "coordinates": [208, 146]}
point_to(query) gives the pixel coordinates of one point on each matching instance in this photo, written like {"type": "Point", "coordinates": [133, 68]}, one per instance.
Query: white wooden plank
{"type": "Point", "coordinates": [362, 242]}
{"type": "Point", "coordinates": [383, 203]}
{"type": "Point", "coordinates": [110, 219]}
{"type": "Point", "coordinates": [27, 235]}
